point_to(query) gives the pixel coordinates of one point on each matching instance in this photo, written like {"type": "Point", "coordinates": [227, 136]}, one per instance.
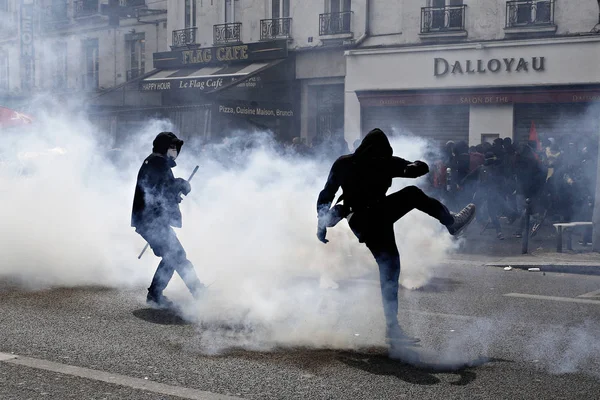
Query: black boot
{"type": "Point", "coordinates": [158, 300]}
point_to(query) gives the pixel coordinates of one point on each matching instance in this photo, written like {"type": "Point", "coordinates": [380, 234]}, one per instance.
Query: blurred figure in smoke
{"type": "Point", "coordinates": [530, 183]}
{"type": "Point", "coordinates": [489, 184]}
{"type": "Point", "coordinates": [156, 211]}
{"type": "Point", "coordinates": [365, 177]}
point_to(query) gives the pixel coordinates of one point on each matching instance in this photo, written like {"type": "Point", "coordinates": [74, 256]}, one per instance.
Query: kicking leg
{"type": "Point", "coordinates": [405, 200]}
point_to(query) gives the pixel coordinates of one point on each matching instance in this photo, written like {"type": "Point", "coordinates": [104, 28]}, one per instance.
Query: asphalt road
{"type": "Point", "coordinates": [542, 341]}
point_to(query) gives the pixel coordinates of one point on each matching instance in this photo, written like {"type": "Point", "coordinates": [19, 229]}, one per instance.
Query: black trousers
{"type": "Point", "coordinates": [375, 227]}
{"type": "Point", "coordinates": [164, 243]}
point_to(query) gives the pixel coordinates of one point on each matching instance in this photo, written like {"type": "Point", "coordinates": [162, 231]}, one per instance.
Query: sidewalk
{"type": "Point", "coordinates": [483, 249]}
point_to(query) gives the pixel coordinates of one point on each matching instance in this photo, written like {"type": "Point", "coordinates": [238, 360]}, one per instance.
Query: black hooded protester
{"type": "Point", "coordinates": [156, 212]}
{"type": "Point", "coordinates": [365, 178]}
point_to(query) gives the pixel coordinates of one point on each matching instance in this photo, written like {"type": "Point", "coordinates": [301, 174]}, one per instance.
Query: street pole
{"type": "Point", "coordinates": [596, 216]}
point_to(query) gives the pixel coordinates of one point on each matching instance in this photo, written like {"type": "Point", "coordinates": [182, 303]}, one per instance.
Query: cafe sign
{"type": "Point", "coordinates": [444, 67]}
{"type": "Point", "coordinates": [202, 57]}
{"type": "Point", "coordinates": [206, 84]}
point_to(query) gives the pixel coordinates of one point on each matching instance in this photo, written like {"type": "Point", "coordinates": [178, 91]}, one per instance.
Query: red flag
{"type": "Point", "coordinates": [533, 136]}
{"type": "Point", "coordinates": [10, 118]}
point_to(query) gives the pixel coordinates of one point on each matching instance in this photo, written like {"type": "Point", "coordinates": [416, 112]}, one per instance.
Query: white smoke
{"type": "Point", "coordinates": [249, 229]}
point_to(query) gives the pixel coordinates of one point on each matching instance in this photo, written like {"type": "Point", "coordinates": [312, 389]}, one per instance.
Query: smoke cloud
{"type": "Point", "coordinates": [249, 228]}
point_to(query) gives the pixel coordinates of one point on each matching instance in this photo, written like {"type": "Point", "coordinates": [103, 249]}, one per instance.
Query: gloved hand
{"type": "Point", "coordinates": [184, 186]}
{"type": "Point", "coordinates": [416, 169]}
{"type": "Point", "coordinates": [321, 233]}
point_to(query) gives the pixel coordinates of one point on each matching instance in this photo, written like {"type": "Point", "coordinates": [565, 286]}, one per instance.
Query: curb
{"type": "Point", "coordinates": [590, 269]}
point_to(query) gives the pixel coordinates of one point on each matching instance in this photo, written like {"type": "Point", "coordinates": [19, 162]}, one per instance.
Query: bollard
{"type": "Point", "coordinates": [525, 243]}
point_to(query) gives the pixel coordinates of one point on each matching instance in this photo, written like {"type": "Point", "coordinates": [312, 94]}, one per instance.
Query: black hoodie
{"type": "Point", "coordinates": [156, 200]}
{"type": "Point", "coordinates": [366, 175]}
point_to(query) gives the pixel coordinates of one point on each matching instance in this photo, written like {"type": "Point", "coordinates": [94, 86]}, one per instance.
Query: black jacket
{"type": "Point", "coordinates": [366, 175]}
{"type": "Point", "coordinates": [156, 200]}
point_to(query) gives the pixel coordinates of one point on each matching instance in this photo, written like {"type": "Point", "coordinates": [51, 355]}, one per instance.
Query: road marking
{"type": "Point", "coordinates": [553, 298]}
{"type": "Point", "coordinates": [115, 379]}
{"type": "Point", "coordinates": [594, 294]}
{"type": "Point", "coordinates": [6, 357]}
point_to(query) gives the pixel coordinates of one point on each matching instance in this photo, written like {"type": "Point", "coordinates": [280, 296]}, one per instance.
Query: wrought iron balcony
{"type": "Point", "coordinates": [276, 28]}
{"type": "Point", "coordinates": [184, 37]}
{"type": "Point", "coordinates": [227, 33]}
{"type": "Point", "coordinates": [335, 23]}
{"type": "Point", "coordinates": [85, 8]}
{"type": "Point", "coordinates": [90, 81]}
{"type": "Point", "coordinates": [524, 13]}
{"type": "Point", "coordinates": [443, 19]}
{"type": "Point", "coordinates": [134, 73]}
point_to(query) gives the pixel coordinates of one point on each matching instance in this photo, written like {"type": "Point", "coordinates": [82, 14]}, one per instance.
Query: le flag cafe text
{"type": "Point", "coordinates": [207, 70]}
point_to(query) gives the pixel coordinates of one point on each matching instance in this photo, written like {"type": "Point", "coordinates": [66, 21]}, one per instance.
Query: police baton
{"type": "Point", "coordinates": [190, 178]}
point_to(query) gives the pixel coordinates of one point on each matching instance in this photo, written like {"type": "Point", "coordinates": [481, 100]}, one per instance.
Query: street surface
{"type": "Point", "coordinates": [538, 335]}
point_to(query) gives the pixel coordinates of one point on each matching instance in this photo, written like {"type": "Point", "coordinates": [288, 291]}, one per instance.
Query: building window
{"type": "Point", "coordinates": [529, 12]}
{"type": "Point", "coordinates": [59, 72]}
{"type": "Point", "coordinates": [230, 10]}
{"type": "Point", "coordinates": [443, 15]}
{"type": "Point", "coordinates": [190, 13]}
{"type": "Point", "coordinates": [3, 71]}
{"type": "Point", "coordinates": [4, 5]}
{"type": "Point", "coordinates": [136, 48]}
{"type": "Point", "coordinates": [337, 18]}
{"type": "Point", "coordinates": [91, 60]}
{"type": "Point", "coordinates": [280, 9]}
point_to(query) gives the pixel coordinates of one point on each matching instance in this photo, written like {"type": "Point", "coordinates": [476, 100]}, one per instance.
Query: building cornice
{"type": "Point", "coordinates": [474, 45]}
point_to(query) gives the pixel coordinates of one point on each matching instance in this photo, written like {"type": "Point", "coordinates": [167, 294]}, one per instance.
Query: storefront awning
{"type": "Point", "coordinates": [205, 80]}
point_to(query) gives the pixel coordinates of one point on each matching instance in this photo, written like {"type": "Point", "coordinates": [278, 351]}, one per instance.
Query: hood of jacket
{"type": "Point", "coordinates": [164, 140]}
{"type": "Point", "coordinates": [374, 146]}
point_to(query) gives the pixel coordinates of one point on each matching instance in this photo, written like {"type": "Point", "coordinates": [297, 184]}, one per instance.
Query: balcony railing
{"type": "Point", "coordinates": [443, 19]}
{"type": "Point", "coordinates": [184, 37]}
{"type": "Point", "coordinates": [276, 28]}
{"type": "Point", "coordinates": [85, 8]}
{"type": "Point", "coordinates": [335, 23]}
{"type": "Point", "coordinates": [90, 81]}
{"type": "Point", "coordinates": [134, 73]}
{"type": "Point", "coordinates": [227, 33]}
{"type": "Point", "coordinates": [529, 13]}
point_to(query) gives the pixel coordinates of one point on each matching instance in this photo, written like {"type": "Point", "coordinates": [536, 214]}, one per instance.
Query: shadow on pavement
{"type": "Point", "coordinates": [161, 317]}
{"type": "Point", "coordinates": [415, 371]}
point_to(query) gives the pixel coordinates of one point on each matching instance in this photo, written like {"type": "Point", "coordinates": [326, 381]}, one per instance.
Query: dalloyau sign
{"type": "Point", "coordinates": [443, 67]}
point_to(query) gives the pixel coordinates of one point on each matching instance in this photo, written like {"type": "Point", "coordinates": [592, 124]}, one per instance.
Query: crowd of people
{"type": "Point", "coordinates": [557, 176]}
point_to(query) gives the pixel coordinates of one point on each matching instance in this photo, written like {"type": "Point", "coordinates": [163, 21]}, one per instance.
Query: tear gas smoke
{"type": "Point", "coordinates": [249, 229]}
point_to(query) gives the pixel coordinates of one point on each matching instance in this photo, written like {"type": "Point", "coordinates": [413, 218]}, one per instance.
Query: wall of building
{"type": "Point", "coordinates": [400, 20]}
{"type": "Point", "coordinates": [113, 57]}
{"type": "Point", "coordinates": [566, 60]}
{"type": "Point", "coordinates": [304, 14]}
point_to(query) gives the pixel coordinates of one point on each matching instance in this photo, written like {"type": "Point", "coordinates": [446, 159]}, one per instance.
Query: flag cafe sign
{"type": "Point", "coordinates": [204, 57]}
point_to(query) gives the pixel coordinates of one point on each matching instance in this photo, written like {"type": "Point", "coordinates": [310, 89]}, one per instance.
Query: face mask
{"type": "Point", "coordinates": [172, 154]}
